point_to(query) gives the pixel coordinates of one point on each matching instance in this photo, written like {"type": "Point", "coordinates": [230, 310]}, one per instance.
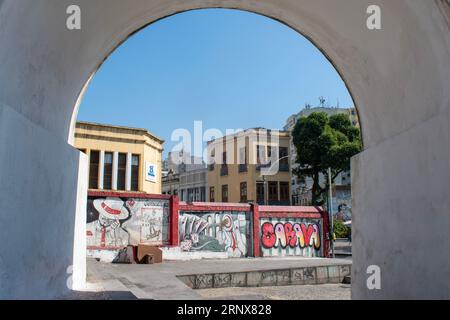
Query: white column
{"type": "Point", "coordinates": [128, 173]}
{"type": "Point", "coordinates": [101, 169]}
{"type": "Point", "coordinates": [115, 170]}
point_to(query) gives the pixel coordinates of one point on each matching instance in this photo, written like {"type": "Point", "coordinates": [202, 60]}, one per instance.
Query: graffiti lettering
{"type": "Point", "coordinates": [293, 235]}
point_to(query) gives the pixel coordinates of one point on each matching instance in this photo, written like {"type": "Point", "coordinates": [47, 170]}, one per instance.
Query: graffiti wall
{"type": "Point", "coordinates": [291, 237]}
{"type": "Point", "coordinates": [221, 231]}
{"type": "Point", "coordinates": [114, 223]}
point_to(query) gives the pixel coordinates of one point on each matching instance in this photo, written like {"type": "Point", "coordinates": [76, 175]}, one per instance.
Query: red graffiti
{"type": "Point", "coordinates": [287, 234]}
{"type": "Point", "coordinates": [268, 236]}
{"type": "Point", "coordinates": [307, 232]}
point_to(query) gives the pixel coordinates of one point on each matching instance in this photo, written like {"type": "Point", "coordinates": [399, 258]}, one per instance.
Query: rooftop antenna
{"type": "Point", "coordinates": [322, 101]}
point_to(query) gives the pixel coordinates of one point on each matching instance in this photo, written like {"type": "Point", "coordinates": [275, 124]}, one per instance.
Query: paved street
{"type": "Point", "coordinates": [302, 292]}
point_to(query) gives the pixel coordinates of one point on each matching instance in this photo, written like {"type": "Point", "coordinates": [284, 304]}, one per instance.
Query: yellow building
{"type": "Point", "coordinates": [121, 158]}
{"type": "Point", "coordinates": [250, 166]}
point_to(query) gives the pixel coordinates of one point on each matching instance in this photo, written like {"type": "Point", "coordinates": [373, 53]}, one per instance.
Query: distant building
{"type": "Point", "coordinates": [186, 176]}
{"type": "Point", "coordinates": [239, 174]}
{"type": "Point", "coordinates": [171, 183]}
{"type": "Point", "coordinates": [193, 185]}
{"type": "Point", "coordinates": [182, 161]}
{"type": "Point", "coordinates": [121, 158]}
{"type": "Point", "coordinates": [301, 189]}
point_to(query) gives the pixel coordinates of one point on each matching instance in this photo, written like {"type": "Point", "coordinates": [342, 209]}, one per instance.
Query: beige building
{"type": "Point", "coordinates": [250, 166]}
{"type": "Point", "coordinates": [121, 158]}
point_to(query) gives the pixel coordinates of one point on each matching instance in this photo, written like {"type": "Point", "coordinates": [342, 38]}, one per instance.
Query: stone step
{"type": "Point", "coordinates": [262, 278]}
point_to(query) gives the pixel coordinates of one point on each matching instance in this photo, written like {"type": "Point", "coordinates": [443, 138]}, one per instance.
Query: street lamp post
{"type": "Point", "coordinates": [330, 208]}
{"type": "Point", "coordinates": [170, 175]}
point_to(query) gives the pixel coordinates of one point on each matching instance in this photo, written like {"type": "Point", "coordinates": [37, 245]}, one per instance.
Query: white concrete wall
{"type": "Point", "coordinates": [405, 232]}
{"type": "Point", "coordinates": [79, 239]}
{"type": "Point", "coordinates": [38, 196]}
{"type": "Point", "coordinates": [399, 78]}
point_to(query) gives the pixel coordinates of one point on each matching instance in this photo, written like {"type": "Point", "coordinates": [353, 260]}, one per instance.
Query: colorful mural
{"type": "Point", "coordinates": [215, 231]}
{"type": "Point", "coordinates": [114, 223]}
{"type": "Point", "coordinates": [290, 237]}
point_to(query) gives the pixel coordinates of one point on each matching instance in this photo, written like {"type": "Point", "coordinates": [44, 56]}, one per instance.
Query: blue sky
{"type": "Point", "coordinates": [227, 68]}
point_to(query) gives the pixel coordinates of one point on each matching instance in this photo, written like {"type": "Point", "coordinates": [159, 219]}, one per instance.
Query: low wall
{"type": "Point", "coordinates": [116, 220]}
{"type": "Point", "coordinates": [198, 230]}
{"type": "Point", "coordinates": [292, 231]}
{"type": "Point", "coordinates": [213, 230]}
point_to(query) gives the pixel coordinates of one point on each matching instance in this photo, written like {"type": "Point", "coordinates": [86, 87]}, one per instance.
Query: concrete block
{"type": "Point", "coordinates": [238, 279]}
{"type": "Point", "coordinates": [253, 279]}
{"type": "Point", "coordinates": [268, 278]}
{"type": "Point", "coordinates": [321, 275]}
{"type": "Point", "coordinates": [203, 281]}
{"type": "Point", "coordinates": [222, 280]}
{"type": "Point", "coordinates": [283, 277]}
{"type": "Point", "coordinates": [309, 275]}
{"type": "Point", "coordinates": [297, 276]}
{"type": "Point", "coordinates": [333, 274]}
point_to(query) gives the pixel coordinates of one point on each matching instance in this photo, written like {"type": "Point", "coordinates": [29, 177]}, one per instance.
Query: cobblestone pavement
{"type": "Point", "coordinates": [300, 292]}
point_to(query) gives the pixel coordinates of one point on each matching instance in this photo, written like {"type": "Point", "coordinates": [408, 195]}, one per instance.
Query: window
{"type": "Point", "coordinates": [243, 155]}
{"type": "Point", "coordinates": [212, 161]}
{"type": "Point", "coordinates": [122, 169]}
{"type": "Point", "coordinates": [224, 167]}
{"type": "Point", "coordinates": [260, 154]}
{"type": "Point", "coordinates": [260, 192]}
{"type": "Point", "coordinates": [107, 171]}
{"type": "Point", "coordinates": [284, 191]}
{"type": "Point", "coordinates": [273, 191]}
{"type": "Point", "coordinates": [225, 193]}
{"type": "Point", "coordinates": [135, 172]}
{"type": "Point", "coordinates": [211, 194]}
{"type": "Point", "coordinates": [243, 191]}
{"type": "Point", "coordinates": [93, 169]}
{"type": "Point", "coordinates": [202, 194]}
{"type": "Point", "coordinates": [243, 159]}
{"type": "Point", "coordinates": [284, 161]}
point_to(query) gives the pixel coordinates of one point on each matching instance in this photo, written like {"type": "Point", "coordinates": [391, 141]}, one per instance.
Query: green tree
{"type": "Point", "coordinates": [324, 142]}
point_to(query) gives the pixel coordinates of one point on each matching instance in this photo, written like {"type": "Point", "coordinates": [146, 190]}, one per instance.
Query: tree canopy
{"type": "Point", "coordinates": [324, 142]}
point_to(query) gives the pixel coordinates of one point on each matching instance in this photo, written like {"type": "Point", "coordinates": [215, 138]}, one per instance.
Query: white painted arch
{"type": "Point", "coordinates": [398, 76]}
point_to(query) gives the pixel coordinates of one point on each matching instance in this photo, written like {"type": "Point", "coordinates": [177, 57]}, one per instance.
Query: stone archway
{"type": "Point", "coordinates": [399, 78]}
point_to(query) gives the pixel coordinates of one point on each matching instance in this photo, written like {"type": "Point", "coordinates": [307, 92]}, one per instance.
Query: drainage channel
{"type": "Point", "coordinates": [264, 278]}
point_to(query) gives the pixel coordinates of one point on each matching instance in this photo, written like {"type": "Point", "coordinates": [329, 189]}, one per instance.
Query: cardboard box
{"type": "Point", "coordinates": [154, 253]}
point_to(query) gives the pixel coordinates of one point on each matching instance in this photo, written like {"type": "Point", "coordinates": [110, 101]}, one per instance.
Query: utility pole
{"type": "Point", "coordinates": [330, 208]}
